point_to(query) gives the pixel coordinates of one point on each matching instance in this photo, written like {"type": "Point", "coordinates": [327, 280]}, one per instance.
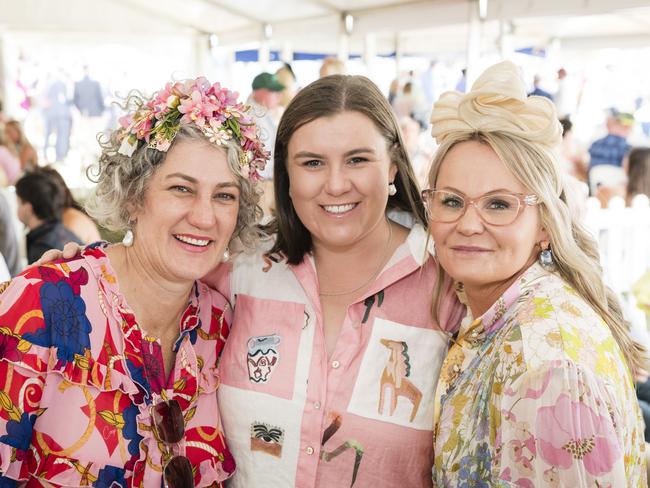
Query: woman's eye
{"type": "Point", "coordinates": [312, 163]}
{"type": "Point", "coordinates": [225, 197]}
{"type": "Point", "coordinates": [498, 204]}
{"type": "Point", "coordinates": [358, 160]}
{"type": "Point", "coordinates": [452, 202]}
{"type": "Point", "coordinates": [180, 189]}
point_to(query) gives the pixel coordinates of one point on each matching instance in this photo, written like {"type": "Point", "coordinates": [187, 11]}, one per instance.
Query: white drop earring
{"type": "Point", "coordinates": [392, 189]}
{"type": "Point", "coordinates": [226, 255]}
{"type": "Point", "coordinates": [127, 240]}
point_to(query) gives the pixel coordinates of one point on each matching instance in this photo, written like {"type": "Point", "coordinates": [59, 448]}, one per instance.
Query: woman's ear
{"type": "Point", "coordinates": [392, 172]}
{"type": "Point", "coordinates": [542, 238]}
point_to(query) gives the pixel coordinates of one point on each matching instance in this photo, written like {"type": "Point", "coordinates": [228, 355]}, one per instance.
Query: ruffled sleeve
{"type": "Point", "coordinates": [22, 370]}
{"type": "Point", "coordinates": [561, 425]}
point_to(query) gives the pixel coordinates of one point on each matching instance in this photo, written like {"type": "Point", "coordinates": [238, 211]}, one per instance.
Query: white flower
{"type": "Point", "coordinates": [127, 148]}
{"type": "Point", "coordinates": [217, 136]}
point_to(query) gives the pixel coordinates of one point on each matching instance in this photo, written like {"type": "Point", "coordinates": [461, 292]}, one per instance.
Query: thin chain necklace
{"type": "Point", "coordinates": [374, 274]}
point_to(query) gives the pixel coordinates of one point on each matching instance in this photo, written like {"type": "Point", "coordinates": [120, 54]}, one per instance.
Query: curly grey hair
{"type": "Point", "coordinates": [122, 182]}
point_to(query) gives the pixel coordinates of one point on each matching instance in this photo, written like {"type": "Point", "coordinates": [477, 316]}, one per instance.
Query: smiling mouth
{"type": "Point", "coordinates": [339, 209]}
{"type": "Point", "coordinates": [470, 249]}
{"type": "Point", "coordinates": [192, 241]}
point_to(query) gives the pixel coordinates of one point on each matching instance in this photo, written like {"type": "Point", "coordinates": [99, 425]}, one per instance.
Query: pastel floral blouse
{"type": "Point", "coordinates": [536, 393]}
{"type": "Point", "coordinates": [78, 378]}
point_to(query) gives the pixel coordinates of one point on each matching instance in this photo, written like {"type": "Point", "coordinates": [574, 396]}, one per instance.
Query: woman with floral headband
{"type": "Point", "coordinates": [537, 388]}
{"type": "Point", "coordinates": [108, 361]}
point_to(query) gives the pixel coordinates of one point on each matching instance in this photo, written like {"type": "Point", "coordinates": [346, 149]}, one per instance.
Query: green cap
{"type": "Point", "coordinates": [267, 81]}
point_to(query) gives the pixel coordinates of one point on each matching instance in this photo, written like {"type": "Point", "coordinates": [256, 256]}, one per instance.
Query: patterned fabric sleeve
{"type": "Point", "coordinates": [559, 426]}
{"type": "Point", "coordinates": [22, 371]}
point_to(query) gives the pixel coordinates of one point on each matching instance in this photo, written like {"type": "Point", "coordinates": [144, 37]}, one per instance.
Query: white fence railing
{"type": "Point", "coordinates": [623, 235]}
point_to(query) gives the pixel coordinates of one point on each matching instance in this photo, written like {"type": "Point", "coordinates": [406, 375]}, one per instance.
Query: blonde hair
{"type": "Point", "coordinates": [524, 133]}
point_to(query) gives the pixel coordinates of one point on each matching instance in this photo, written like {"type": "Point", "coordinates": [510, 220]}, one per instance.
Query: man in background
{"type": "Point", "coordinates": [265, 102]}
{"type": "Point", "coordinates": [40, 208]}
{"type": "Point", "coordinates": [88, 97]}
{"type": "Point", "coordinates": [612, 148]}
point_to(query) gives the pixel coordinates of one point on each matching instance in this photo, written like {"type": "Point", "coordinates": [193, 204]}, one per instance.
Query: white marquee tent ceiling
{"type": "Point", "coordinates": [314, 25]}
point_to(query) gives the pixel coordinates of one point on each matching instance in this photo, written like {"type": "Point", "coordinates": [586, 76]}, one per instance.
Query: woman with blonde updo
{"type": "Point", "coordinates": [537, 387]}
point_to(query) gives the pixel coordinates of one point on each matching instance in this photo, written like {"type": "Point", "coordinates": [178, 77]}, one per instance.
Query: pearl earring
{"type": "Point", "coordinates": [392, 189]}
{"type": "Point", "coordinates": [127, 240]}
{"type": "Point", "coordinates": [226, 255]}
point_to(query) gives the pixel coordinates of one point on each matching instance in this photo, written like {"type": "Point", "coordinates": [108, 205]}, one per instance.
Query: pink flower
{"type": "Point", "coordinates": [196, 109]}
{"type": "Point", "coordinates": [142, 127]}
{"type": "Point", "coordinates": [125, 121]}
{"type": "Point", "coordinates": [571, 431]}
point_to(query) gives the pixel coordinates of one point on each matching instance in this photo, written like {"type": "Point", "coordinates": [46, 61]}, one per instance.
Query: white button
{"type": "Point", "coordinates": [310, 450]}
{"type": "Point", "coordinates": [335, 364]}
{"type": "Point", "coordinates": [317, 405]}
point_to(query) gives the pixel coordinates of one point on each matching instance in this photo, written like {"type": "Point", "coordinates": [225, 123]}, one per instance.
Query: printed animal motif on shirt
{"type": "Point", "coordinates": [263, 357]}
{"type": "Point", "coordinates": [270, 259]}
{"type": "Point", "coordinates": [353, 444]}
{"type": "Point", "coordinates": [267, 438]}
{"type": "Point", "coordinates": [394, 379]}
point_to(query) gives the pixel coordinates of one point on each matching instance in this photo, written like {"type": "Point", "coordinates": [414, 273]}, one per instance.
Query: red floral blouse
{"type": "Point", "coordinates": [78, 379]}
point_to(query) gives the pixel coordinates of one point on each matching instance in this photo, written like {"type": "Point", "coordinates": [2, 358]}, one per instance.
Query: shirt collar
{"type": "Point", "coordinates": [495, 317]}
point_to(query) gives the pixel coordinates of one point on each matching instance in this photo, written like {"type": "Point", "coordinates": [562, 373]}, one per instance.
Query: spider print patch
{"type": "Point", "coordinates": [267, 438]}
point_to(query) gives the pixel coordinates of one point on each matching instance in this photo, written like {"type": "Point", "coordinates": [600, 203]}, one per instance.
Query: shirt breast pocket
{"type": "Point", "coordinates": [398, 374]}
{"type": "Point", "coordinates": [262, 348]}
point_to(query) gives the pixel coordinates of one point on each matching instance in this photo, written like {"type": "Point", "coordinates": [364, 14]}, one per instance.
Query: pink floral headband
{"type": "Point", "coordinates": [213, 109]}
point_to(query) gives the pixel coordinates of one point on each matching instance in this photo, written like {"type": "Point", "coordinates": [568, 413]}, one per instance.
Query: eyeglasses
{"type": "Point", "coordinates": [169, 426]}
{"type": "Point", "coordinates": [493, 208]}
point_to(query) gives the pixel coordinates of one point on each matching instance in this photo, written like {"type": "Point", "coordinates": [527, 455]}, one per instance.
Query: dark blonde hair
{"type": "Point", "coordinates": [327, 97]}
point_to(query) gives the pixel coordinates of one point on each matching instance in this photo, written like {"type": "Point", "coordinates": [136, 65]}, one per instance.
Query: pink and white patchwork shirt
{"type": "Point", "coordinates": [363, 417]}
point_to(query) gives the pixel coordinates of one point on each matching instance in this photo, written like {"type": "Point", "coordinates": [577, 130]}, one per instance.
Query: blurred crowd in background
{"type": "Point", "coordinates": [49, 130]}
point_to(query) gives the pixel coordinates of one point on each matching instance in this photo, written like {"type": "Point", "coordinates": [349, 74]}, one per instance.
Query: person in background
{"type": "Point", "coordinates": [26, 152]}
{"type": "Point", "coordinates": [536, 389]}
{"type": "Point", "coordinates": [393, 90]}
{"type": "Point", "coordinates": [287, 77]}
{"type": "Point", "coordinates": [612, 148]}
{"type": "Point", "coordinates": [58, 117]}
{"type": "Point", "coordinates": [88, 96]}
{"type": "Point", "coordinates": [74, 218]}
{"type": "Point", "coordinates": [9, 162]}
{"type": "Point", "coordinates": [461, 84]}
{"type": "Point", "coordinates": [538, 91]}
{"type": "Point", "coordinates": [420, 148]}
{"type": "Point", "coordinates": [573, 157]}
{"type": "Point", "coordinates": [638, 173]}
{"type": "Point", "coordinates": [40, 209]}
{"type": "Point", "coordinates": [9, 245]}
{"type": "Point", "coordinates": [264, 99]}
{"type": "Point", "coordinates": [405, 104]}
{"type": "Point", "coordinates": [332, 66]}
{"type": "Point", "coordinates": [119, 346]}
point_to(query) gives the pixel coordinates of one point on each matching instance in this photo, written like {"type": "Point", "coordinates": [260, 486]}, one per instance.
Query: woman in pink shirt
{"type": "Point", "coordinates": [328, 376]}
